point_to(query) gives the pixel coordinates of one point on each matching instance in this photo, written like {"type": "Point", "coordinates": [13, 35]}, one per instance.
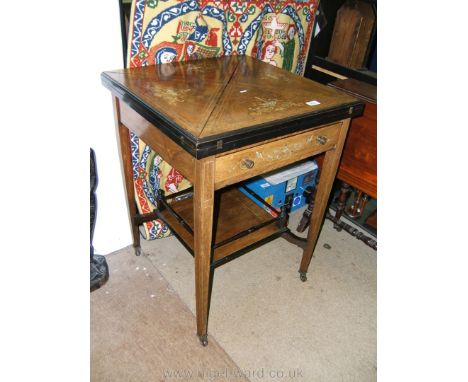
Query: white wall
{"type": "Point", "coordinates": [53, 108]}
{"type": "Point", "coordinates": [112, 229]}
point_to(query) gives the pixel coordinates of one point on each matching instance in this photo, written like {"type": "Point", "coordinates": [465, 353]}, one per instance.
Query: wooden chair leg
{"type": "Point", "coordinates": [304, 223]}
{"type": "Point", "coordinates": [357, 207]}
{"type": "Point", "coordinates": [341, 205]}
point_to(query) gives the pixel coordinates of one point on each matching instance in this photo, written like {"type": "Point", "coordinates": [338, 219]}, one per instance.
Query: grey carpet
{"type": "Point", "coordinates": [272, 324]}
{"type": "Point", "coordinates": [141, 330]}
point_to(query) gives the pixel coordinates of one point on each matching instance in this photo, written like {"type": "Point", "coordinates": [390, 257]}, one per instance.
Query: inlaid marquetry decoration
{"type": "Point", "coordinates": [264, 105]}
{"type": "Point", "coordinates": [232, 96]}
{"type": "Point", "coordinates": [173, 97]}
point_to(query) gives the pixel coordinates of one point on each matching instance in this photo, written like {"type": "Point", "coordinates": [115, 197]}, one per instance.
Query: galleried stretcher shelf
{"type": "Point", "coordinates": [219, 122]}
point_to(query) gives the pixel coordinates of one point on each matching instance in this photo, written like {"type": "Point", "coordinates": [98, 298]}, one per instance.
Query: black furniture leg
{"type": "Point", "coordinates": [99, 271]}
{"type": "Point", "coordinates": [309, 194]}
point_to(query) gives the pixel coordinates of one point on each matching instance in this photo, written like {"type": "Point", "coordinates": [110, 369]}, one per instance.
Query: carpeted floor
{"type": "Point", "coordinates": [273, 326]}
{"type": "Point", "coordinates": [141, 331]}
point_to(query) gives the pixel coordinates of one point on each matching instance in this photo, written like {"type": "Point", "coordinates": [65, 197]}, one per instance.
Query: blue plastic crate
{"type": "Point", "coordinates": [287, 184]}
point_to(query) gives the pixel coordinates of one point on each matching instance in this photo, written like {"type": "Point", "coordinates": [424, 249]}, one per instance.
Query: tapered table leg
{"type": "Point", "coordinates": [123, 138]}
{"type": "Point", "coordinates": [329, 169]}
{"type": "Point", "coordinates": [203, 230]}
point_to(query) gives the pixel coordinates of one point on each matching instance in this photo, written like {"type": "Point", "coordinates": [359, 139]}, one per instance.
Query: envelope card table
{"type": "Point", "coordinates": [219, 122]}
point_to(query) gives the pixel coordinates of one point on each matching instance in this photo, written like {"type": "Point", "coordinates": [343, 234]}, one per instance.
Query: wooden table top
{"type": "Point", "coordinates": [219, 104]}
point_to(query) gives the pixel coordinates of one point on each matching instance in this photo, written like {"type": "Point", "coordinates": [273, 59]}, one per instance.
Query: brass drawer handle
{"type": "Point", "coordinates": [322, 139]}
{"type": "Point", "coordinates": [247, 163]}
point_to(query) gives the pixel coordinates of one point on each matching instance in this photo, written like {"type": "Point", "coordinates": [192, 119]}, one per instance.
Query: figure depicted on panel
{"type": "Point", "coordinates": [200, 32]}
{"type": "Point", "coordinates": [288, 48]}
{"type": "Point", "coordinates": [269, 50]}
{"type": "Point", "coordinates": [189, 51]}
{"type": "Point", "coordinates": [212, 39]}
{"type": "Point", "coordinates": [257, 49]}
{"type": "Point", "coordinates": [164, 53]}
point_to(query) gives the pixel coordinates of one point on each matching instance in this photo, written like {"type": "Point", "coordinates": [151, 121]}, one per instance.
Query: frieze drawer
{"type": "Point", "coordinates": [253, 161]}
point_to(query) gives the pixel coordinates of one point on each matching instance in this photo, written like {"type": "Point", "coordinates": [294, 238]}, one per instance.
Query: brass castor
{"type": "Point", "coordinates": [203, 339]}
{"type": "Point", "coordinates": [303, 276]}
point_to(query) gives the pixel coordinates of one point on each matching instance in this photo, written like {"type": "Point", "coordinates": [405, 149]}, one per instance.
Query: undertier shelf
{"type": "Point", "coordinates": [234, 213]}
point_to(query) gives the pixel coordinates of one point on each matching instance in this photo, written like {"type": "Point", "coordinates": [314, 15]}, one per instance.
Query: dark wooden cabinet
{"type": "Point", "coordinates": [358, 166]}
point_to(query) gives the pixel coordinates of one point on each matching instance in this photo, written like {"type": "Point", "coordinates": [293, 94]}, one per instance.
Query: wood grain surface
{"type": "Point", "coordinates": [231, 168]}
{"type": "Point", "coordinates": [220, 104]}
{"type": "Point", "coordinates": [125, 155]}
{"type": "Point", "coordinates": [158, 141]}
{"type": "Point", "coordinates": [203, 204]}
{"type": "Point", "coordinates": [236, 213]}
{"type": "Point", "coordinates": [358, 166]}
{"type": "Point", "coordinates": [359, 161]}
{"type": "Point", "coordinates": [327, 177]}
